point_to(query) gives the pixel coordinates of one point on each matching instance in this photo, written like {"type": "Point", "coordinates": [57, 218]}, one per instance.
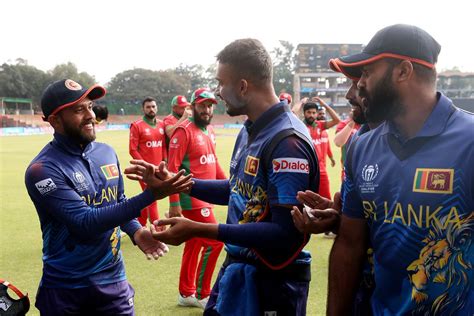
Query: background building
{"type": "Point", "coordinates": [313, 77]}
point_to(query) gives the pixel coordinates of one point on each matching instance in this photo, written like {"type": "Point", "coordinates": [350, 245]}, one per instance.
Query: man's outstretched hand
{"type": "Point", "coordinates": [158, 179]}
{"type": "Point", "coordinates": [152, 248]}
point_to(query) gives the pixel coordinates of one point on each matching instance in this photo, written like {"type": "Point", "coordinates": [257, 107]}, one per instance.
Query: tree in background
{"type": "Point", "coordinates": [20, 80]}
{"type": "Point", "coordinates": [128, 88]}
{"type": "Point", "coordinates": [70, 71]}
{"type": "Point", "coordinates": [283, 67]}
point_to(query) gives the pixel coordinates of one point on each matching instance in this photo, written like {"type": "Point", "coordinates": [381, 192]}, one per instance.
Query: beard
{"type": "Point", "coordinates": [150, 116]}
{"type": "Point", "coordinates": [384, 103]}
{"type": "Point", "coordinates": [359, 116]}
{"type": "Point", "coordinates": [78, 134]}
{"type": "Point", "coordinates": [200, 121]}
{"type": "Point", "coordinates": [309, 120]}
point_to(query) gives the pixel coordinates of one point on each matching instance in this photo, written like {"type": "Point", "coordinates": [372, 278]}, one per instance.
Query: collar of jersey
{"type": "Point", "coordinates": [253, 128]}
{"type": "Point", "coordinates": [434, 125]}
{"type": "Point", "coordinates": [148, 121]}
{"type": "Point", "coordinates": [69, 145]}
{"type": "Point", "coordinates": [203, 129]}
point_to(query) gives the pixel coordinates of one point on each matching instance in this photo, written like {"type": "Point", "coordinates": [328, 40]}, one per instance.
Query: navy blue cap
{"type": "Point", "coordinates": [64, 93]}
{"type": "Point", "coordinates": [400, 41]}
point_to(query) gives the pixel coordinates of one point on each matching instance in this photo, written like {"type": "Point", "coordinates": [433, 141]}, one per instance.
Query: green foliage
{"type": "Point", "coordinates": [130, 87]}
{"type": "Point", "coordinates": [283, 67]}
{"type": "Point", "coordinates": [155, 282]}
{"type": "Point", "coordinates": [69, 71]}
{"type": "Point", "coordinates": [21, 80]}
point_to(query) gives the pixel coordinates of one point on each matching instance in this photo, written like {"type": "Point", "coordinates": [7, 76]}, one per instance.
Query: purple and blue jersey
{"type": "Point", "coordinates": [417, 196]}
{"type": "Point", "coordinates": [79, 196]}
{"type": "Point", "coordinates": [264, 178]}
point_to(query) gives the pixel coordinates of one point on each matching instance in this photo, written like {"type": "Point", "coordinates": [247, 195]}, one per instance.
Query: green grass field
{"type": "Point", "coordinates": [155, 282]}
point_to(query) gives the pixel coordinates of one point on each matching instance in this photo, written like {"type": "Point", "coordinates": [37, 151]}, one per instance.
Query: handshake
{"type": "Point", "coordinates": [159, 180]}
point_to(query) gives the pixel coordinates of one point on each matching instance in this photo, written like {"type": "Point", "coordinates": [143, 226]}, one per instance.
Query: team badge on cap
{"type": "Point", "coordinates": [72, 85]}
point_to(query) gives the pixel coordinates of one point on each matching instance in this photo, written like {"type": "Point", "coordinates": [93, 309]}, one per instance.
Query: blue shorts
{"type": "Point", "coordinates": [108, 299]}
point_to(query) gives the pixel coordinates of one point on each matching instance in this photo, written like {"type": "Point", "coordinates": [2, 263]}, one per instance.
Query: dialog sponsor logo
{"type": "Point", "coordinates": [290, 165]}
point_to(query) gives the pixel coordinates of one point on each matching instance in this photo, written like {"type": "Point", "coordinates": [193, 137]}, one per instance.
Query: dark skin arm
{"type": "Point", "coordinates": [345, 265]}
{"type": "Point", "coordinates": [182, 229]}
{"type": "Point", "coordinates": [323, 216]}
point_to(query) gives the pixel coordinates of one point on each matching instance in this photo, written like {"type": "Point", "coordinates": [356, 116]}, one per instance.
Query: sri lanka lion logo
{"type": "Point", "coordinates": [115, 243]}
{"type": "Point", "coordinates": [444, 267]}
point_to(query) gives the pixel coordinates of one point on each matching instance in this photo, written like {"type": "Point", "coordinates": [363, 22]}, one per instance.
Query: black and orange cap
{"type": "Point", "coordinates": [64, 93]}
{"type": "Point", "coordinates": [400, 41]}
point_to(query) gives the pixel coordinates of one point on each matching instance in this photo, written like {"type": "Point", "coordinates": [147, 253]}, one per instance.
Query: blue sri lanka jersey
{"type": "Point", "coordinates": [418, 199]}
{"type": "Point", "coordinates": [76, 194]}
{"type": "Point", "coordinates": [260, 179]}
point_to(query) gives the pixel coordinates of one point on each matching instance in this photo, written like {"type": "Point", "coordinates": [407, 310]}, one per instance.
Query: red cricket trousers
{"type": "Point", "coordinates": [324, 186]}
{"type": "Point", "coordinates": [199, 258]}
{"type": "Point", "coordinates": [150, 212]}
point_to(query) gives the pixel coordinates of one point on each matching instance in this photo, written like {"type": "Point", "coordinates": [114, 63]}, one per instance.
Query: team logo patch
{"type": "Point", "coordinates": [72, 85]}
{"type": "Point", "coordinates": [251, 165]}
{"type": "Point", "coordinates": [110, 171]}
{"type": "Point", "coordinates": [296, 165]}
{"type": "Point", "coordinates": [205, 212]}
{"type": "Point", "coordinates": [433, 180]}
{"type": "Point", "coordinates": [45, 186]}
{"type": "Point", "coordinates": [5, 303]}
{"type": "Point", "coordinates": [161, 131]}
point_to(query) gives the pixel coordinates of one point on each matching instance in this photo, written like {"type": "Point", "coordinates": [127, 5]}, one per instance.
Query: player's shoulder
{"type": "Point", "coordinates": [137, 122]}
{"type": "Point", "coordinates": [464, 117]}
{"type": "Point", "coordinates": [44, 165]}
{"type": "Point", "coordinates": [102, 148]}
{"type": "Point", "coordinates": [186, 125]}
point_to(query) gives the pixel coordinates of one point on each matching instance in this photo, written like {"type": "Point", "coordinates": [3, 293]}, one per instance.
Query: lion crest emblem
{"type": "Point", "coordinates": [441, 275]}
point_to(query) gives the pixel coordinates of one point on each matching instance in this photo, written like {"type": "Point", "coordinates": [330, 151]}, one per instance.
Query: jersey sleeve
{"type": "Point", "coordinates": [177, 150]}
{"type": "Point", "coordinates": [133, 225]}
{"type": "Point", "coordinates": [352, 203]}
{"type": "Point", "coordinates": [51, 193]}
{"type": "Point", "coordinates": [134, 141]}
{"type": "Point", "coordinates": [289, 171]}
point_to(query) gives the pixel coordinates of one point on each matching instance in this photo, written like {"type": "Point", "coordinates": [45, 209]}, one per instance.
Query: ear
{"type": "Point", "coordinates": [404, 70]}
{"type": "Point", "coordinates": [55, 121]}
{"type": "Point", "coordinates": [244, 85]}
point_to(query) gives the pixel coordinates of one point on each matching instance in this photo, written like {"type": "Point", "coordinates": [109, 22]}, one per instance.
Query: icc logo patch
{"type": "Point", "coordinates": [433, 180]}
{"type": "Point", "coordinates": [80, 181]}
{"type": "Point", "coordinates": [370, 172]}
{"type": "Point", "coordinates": [251, 165]}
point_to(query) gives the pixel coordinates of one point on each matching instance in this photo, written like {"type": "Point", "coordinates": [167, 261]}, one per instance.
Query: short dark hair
{"type": "Point", "coordinates": [424, 73]}
{"type": "Point", "coordinates": [249, 60]}
{"type": "Point", "coordinates": [148, 99]}
{"type": "Point", "coordinates": [310, 105]}
{"type": "Point", "coordinates": [101, 112]}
